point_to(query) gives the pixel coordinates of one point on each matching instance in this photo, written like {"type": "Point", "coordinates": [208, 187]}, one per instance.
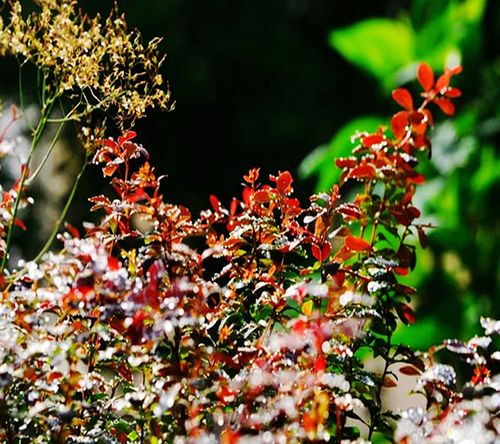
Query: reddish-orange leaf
{"type": "Point", "coordinates": [252, 175]}
{"type": "Point", "coordinates": [442, 82]}
{"type": "Point", "coordinates": [229, 436]}
{"type": "Point", "coordinates": [422, 237]}
{"type": "Point", "coordinates": [247, 192]}
{"type": "Point", "coordinates": [309, 423]}
{"type": "Point", "coordinates": [410, 370]}
{"type": "Point", "coordinates": [399, 122]}
{"type": "Point", "coordinates": [283, 182]}
{"type": "Point", "coordinates": [446, 106]}
{"type": "Point", "coordinates": [453, 71]}
{"type": "Point", "coordinates": [402, 271]}
{"type": "Point", "coordinates": [363, 172]}
{"type": "Point", "coordinates": [349, 211]}
{"type": "Point", "coordinates": [421, 141]}
{"type": "Point", "coordinates": [316, 252]}
{"type": "Point", "coordinates": [357, 244]}
{"type": "Point", "coordinates": [261, 196]}
{"type": "Point", "coordinates": [372, 139]}
{"type": "Point", "coordinates": [403, 97]}
{"type": "Point", "coordinates": [346, 162]}
{"type": "Point", "coordinates": [320, 364]}
{"type": "Point", "coordinates": [110, 169]}
{"type": "Point", "coordinates": [137, 195]}
{"type": "Point", "coordinates": [408, 313]}
{"type": "Point", "coordinates": [300, 326]}
{"type": "Point", "coordinates": [53, 376]}
{"type": "Point", "coordinates": [20, 224]}
{"type": "Point", "coordinates": [389, 382]}
{"type": "Point", "coordinates": [214, 202]}
{"type": "Point", "coordinates": [453, 92]}
{"type": "Point", "coordinates": [72, 230]}
{"type": "Point", "coordinates": [234, 206]}
{"type": "Point", "coordinates": [425, 76]}
{"type": "Point", "coordinates": [128, 135]}
{"type": "Point", "coordinates": [418, 179]}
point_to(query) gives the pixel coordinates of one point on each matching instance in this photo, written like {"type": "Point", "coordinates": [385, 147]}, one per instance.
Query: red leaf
{"type": "Point", "coordinates": [53, 376]}
{"type": "Point", "coordinates": [408, 314]}
{"type": "Point", "coordinates": [300, 326]}
{"type": "Point", "coordinates": [283, 182]}
{"type": "Point", "coordinates": [234, 206]}
{"type": "Point", "coordinates": [346, 162]}
{"type": "Point", "coordinates": [422, 237]}
{"type": "Point", "coordinates": [349, 211]}
{"type": "Point", "coordinates": [113, 263]}
{"type": "Point", "coordinates": [110, 169]}
{"type": "Point", "coordinates": [357, 244]}
{"type": "Point", "coordinates": [453, 92]}
{"type": "Point", "coordinates": [20, 224]}
{"type": "Point", "coordinates": [214, 202]}
{"type": "Point", "coordinates": [128, 135]}
{"type": "Point", "coordinates": [446, 106]}
{"type": "Point", "coordinates": [453, 71]}
{"type": "Point", "coordinates": [372, 139]}
{"type": "Point", "coordinates": [137, 195]}
{"type": "Point", "coordinates": [410, 370]}
{"type": "Point", "coordinates": [403, 97]}
{"type": "Point", "coordinates": [247, 192]}
{"type": "Point", "coordinates": [425, 76]}
{"type": "Point", "coordinates": [316, 252]}
{"type": "Point", "coordinates": [418, 179]}
{"type": "Point", "coordinates": [418, 122]}
{"type": "Point", "coordinates": [320, 364]}
{"type": "Point", "coordinates": [225, 394]}
{"type": "Point", "coordinates": [325, 251]}
{"type": "Point", "coordinates": [442, 82]}
{"type": "Point", "coordinates": [399, 123]}
{"type": "Point", "coordinates": [72, 230]}
{"type": "Point", "coordinates": [363, 172]}
{"type": "Point", "coordinates": [252, 175]}
{"type": "Point", "coordinates": [339, 278]}
{"type": "Point", "coordinates": [261, 196]}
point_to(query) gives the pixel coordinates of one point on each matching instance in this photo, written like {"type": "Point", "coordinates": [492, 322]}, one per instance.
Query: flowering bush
{"type": "Point", "coordinates": [249, 323]}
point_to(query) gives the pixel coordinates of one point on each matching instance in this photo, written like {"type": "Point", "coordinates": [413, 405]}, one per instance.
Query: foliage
{"type": "Point", "coordinates": [455, 287]}
{"type": "Point", "coordinates": [246, 324]}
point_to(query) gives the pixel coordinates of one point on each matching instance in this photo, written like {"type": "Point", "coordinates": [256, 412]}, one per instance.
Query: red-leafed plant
{"type": "Point", "coordinates": [249, 323]}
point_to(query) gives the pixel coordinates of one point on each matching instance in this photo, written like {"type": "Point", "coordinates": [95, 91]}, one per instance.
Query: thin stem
{"type": "Point", "coordinates": [24, 175]}
{"type": "Point", "coordinates": [63, 214]}
{"type": "Point", "coordinates": [374, 420]}
{"type": "Point", "coordinates": [21, 97]}
{"type": "Point", "coordinates": [46, 156]}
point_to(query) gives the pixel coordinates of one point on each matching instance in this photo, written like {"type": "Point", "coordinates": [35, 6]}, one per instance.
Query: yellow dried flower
{"type": "Point", "coordinates": [98, 63]}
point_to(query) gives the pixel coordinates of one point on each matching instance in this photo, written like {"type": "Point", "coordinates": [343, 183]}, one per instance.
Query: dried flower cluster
{"type": "Point", "coordinates": [245, 324]}
{"type": "Point", "coordinates": [98, 63]}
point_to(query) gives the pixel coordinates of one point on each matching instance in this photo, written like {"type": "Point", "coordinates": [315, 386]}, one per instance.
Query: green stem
{"type": "Point", "coordinates": [63, 214]}
{"type": "Point", "coordinates": [46, 156]}
{"type": "Point", "coordinates": [374, 421]}
{"type": "Point", "coordinates": [46, 110]}
{"type": "Point", "coordinates": [21, 98]}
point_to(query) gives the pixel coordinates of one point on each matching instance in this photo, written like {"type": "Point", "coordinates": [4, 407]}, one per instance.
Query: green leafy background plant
{"type": "Point", "coordinates": [458, 275]}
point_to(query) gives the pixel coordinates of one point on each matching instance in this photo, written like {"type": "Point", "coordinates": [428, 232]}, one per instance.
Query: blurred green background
{"type": "Point", "coordinates": [282, 84]}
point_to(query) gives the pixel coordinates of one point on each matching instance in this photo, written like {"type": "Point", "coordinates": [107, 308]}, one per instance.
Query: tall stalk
{"type": "Point", "coordinates": [37, 135]}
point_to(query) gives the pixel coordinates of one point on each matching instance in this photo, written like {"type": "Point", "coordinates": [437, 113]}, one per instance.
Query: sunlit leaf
{"type": "Point", "coordinates": [378, 45]}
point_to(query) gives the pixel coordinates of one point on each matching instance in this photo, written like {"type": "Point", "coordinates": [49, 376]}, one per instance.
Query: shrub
{"type": "Point", "coordinates": [249, 323]}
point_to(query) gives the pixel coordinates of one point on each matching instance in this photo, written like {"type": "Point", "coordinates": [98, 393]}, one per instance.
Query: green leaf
{"type": "Point", "coordinates": [133, 436]}
{"type": "Point", "coordinates": [379, 46]}
{"type": "Point", "coordinates": [320, 162]}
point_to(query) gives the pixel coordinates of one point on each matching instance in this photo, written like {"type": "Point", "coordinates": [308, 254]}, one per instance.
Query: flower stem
{"type": "Point", "coordinates": [63, 214]}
